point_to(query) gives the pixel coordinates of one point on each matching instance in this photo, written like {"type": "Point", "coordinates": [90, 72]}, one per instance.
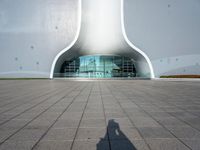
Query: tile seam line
{"type": "Point", "coordinates": [34, 146]}
{"type": "Point", "coordinates": [41, 95]}
{"type": "Point", "coordinates": [13, 98]}
{"type": "Point", "coordinates": [174, 115]}
{"type": "Point", "coordinates": [10, 89]}
{"type": "Point", "coordinates": [104, 115]}
{"type": "Point", "coordinates": [71, 147]}
{"type": "Point", "coordinates": [159, 123]}
{"type": "Point", "coordinates": [16, 98]}
{"type": "Point", "coordinates": [130, 119]}
{"type": "Point", "coordinates": [44, 100]}
{"type": "Point", "coordinates": [30, 121]}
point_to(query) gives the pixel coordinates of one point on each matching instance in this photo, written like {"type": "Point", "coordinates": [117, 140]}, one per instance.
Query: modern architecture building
{"type": "Point", "coordinates": [99, 38]}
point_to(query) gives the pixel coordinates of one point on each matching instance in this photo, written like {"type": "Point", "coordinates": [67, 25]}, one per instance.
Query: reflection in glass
{"type": "Point", "coordinates": [98, 66]}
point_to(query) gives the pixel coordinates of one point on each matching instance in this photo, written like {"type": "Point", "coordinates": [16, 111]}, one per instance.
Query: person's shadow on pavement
{"type": "Point", "coordinates": [119, 140]}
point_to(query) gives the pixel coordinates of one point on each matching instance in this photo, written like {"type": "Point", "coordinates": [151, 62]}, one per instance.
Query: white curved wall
{"type": "Point", "coordinates": [168, 32]}
{"type": "Point", "coordinates": [101, 32]}
{"type": "Point", "coordinates": [32, 33]}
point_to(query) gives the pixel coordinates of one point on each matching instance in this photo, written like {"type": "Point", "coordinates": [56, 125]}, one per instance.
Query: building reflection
{"type": "Point", "coordinates": [98, 66]}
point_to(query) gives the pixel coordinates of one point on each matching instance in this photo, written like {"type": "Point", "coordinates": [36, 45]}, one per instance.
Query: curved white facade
{"type": "Point", "coordinates": [34, 33]}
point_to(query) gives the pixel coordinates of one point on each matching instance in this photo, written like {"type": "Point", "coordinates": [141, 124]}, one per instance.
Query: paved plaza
{"type": "Point", "coordinates": [99, 115]}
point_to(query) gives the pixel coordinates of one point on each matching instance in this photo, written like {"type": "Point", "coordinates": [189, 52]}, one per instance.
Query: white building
{"type": "Point", "coordinates": [99, 38]}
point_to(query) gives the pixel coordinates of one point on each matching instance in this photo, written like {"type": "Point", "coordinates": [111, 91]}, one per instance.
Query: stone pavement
{"type": "Point", "coordinates": [99, 115]}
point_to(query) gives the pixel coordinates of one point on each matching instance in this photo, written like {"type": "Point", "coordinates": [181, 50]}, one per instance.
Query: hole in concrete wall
{"type": "Point", "coordinates": [32, 47]}
{"type": "Point", "coordinates": [20, 67]}
{"type": "Point", "coordinates": [16, 58]}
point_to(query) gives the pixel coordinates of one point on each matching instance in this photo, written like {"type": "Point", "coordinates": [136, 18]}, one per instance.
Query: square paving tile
{"type": "Point", "coordinates": [128, 145]}
{"type": "Point", "coordinates": [119, 122]}
{"type": "Point", "coordinates": [185, 132]}
{"type": "Point", "coordinates": [28, 135]}
{"type": "Point", "coordinates": [194, 144]}
{"type": "Point", "coordinates": [66, 123]}
{"type": "Point", "coordinates": [94, 115]}
{"type": "Point", "coordinates": [61, 134]}
{"type": "Point", "coordinates": [155, 132]}
{"type": "Point", "coordinates": [166, 144]}
{"type": "Point", "coordinates": [91, 145]}
{"type": "Point", "coordinates": [92, 133]}
{"type": "Point", "coordinates": [124, 133]}
{"type": "Point", "coordinates": [53, 145]}
{"type": "Point", "coordinates": [17, 145]}
{"type": "Point", "coordinates": [144, 122]}
{"type": "Point", "coordinates": [93, 123]}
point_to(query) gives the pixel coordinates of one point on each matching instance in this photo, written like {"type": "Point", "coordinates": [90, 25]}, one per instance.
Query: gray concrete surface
{"type": "Point", "coordinates": [99, 115]}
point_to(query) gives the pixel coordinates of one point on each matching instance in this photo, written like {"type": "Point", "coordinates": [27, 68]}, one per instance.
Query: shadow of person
{"type": "Point", "coordinates": [117, 139]}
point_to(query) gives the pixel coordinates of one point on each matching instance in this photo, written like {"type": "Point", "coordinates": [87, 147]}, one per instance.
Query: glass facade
{"type": "Point", "coordinates": [98, 66]}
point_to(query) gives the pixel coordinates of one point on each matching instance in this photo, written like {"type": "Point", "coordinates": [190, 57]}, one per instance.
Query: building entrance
{"type": "Point", "coordinates": [98, 66]}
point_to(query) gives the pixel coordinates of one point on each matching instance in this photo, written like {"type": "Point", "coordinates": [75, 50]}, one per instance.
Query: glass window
{"type": "Point", "coordinates": [99, 66]}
